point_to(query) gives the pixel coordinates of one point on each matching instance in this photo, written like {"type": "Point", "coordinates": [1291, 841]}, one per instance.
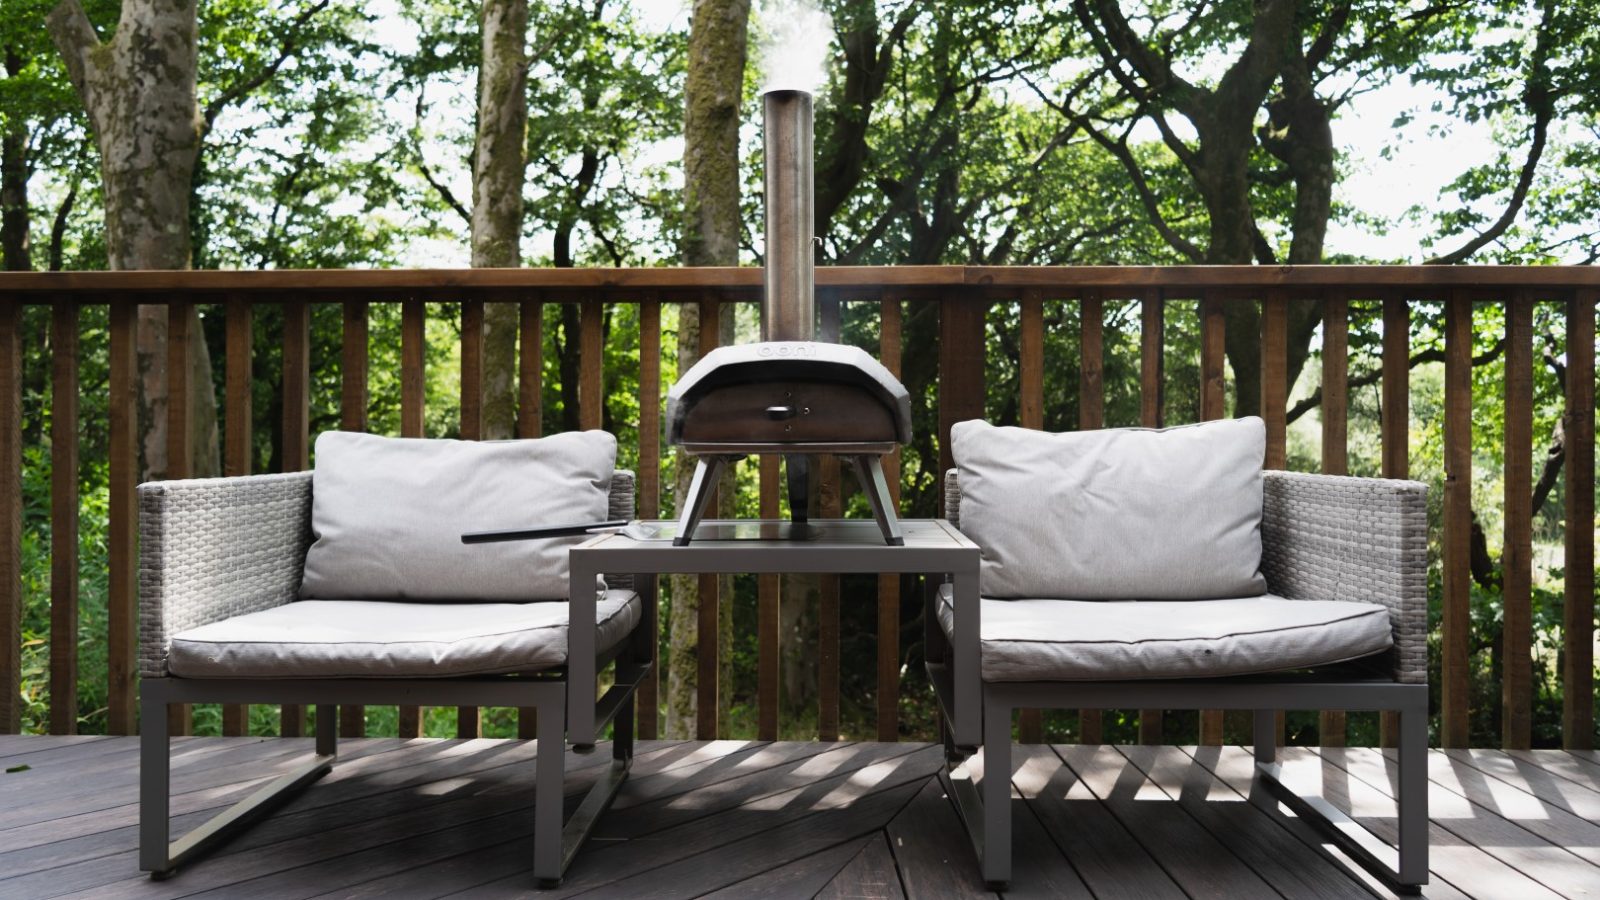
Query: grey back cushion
{"type": "Point", "coordinates": [1116, 514]}
{"type": "Point", "coordinates": [387, 515]}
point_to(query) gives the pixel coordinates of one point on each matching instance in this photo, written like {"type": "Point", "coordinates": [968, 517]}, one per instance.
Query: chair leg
{"type": "Point", "coordinates": [550, 760]}
{"type": "Point", "coordinates": [327, 730]}
{"type": "Point", "coordinates": [1413, 797]}
{"type": "Point", "coordinates": [622, 731]}
{"type": "Point", "coordinates": [996, 790]}
{"type": "Point", "coordinates": [1264, 732]}
{"type": "Point", "coordinates": [154, 783]}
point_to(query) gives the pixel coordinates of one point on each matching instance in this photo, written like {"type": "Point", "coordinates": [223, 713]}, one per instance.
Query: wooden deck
{"type": "Point", "coordinates": [427, 818]}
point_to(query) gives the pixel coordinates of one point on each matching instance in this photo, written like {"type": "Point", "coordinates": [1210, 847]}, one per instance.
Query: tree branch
{"type": "Point", "coordinates": [291, 44]}
{"type": "Point", "coordinates": [75, 37]}
{"type": "Point", "coordinates": [440, 187]}
{"type": "Point", "coordinates": [1539, 98]}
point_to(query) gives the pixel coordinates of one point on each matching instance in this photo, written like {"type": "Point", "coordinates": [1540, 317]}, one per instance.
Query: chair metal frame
{"type": "Point", "coordinates": [563, 697]}
{"type": "Point", "coordinates": [954, 668]}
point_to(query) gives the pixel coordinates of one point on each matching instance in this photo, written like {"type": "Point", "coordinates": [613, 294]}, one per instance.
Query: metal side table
{"type": "Point", "coordinates": [836, 546]}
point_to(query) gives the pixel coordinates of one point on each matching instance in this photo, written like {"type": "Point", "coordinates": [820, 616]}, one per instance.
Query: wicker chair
{"type": "Point", "coordinates": [215, 549]}
{"type": "Point", "coordinates": [1354, 539]}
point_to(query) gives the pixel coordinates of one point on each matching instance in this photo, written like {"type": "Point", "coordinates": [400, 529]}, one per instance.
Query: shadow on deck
{"type": "Point", "coordinates": [426, 818]}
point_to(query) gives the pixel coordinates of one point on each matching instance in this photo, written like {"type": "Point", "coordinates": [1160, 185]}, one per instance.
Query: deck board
{"type": "Point", "coordinates": [871, 875]}
{"type": "Point", "coordinates": [429, 818]}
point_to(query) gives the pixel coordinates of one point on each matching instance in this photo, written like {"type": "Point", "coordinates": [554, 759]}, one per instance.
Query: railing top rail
{"type": "Point", "coordinates": [745, 278]}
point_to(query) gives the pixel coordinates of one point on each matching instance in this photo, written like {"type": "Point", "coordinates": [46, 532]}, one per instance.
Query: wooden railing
{"type": "Point", "coordinates": [963, 296]}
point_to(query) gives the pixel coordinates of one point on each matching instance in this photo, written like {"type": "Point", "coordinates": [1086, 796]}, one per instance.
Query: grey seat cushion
{"type": "Point", "coordinates": [1123, 513]}
{"type": "Point", "coordinates": [382, 639]}
{"type": "Point", "coordinates": [1078, 640]}
{"type": "Point", "coordinates": [387, 515]}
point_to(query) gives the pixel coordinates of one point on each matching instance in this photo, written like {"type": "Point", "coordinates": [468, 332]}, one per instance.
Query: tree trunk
{"type": "Point", "coordinates": [718, 33]}
{"type": "Point", "coordinates": [497, 196]}
{"type": "Point", "coordinates": [14, 251]}
{"type": "Point", "coordinates": [139, 92]}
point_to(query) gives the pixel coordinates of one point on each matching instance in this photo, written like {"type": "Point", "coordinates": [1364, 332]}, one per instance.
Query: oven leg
{"type": "Point", "coordinates": [869, 471]}
{"type": "Point", "coordinates": [707, 469]}
{"type": "Point", "coordinates": [797, 471]}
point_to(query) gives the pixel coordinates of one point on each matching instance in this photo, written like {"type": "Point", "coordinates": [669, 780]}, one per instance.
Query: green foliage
{"type": "Point", "coordinates": [333, 138]}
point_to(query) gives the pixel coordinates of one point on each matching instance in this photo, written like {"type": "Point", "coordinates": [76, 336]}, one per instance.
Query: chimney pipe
{"type": "Point", "coordinates": [788, 302]}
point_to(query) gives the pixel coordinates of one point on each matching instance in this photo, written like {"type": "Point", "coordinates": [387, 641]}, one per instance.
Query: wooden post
{"type": "Point", "coordinates": [530, 397]}
{"type": "Point", "coordinates": [469, 719]}
{"type": "Point", "coordinates": [1457, 600]}
{"type": "Point", "coordinates": [353, 417]}
{"type": "Point", "coordinates": [64, 516]}
{"type": "Point", "coordinates": [591, 355]}
{"type": "Point", "coordinates": [1091, 416]}
{"type": "Point", "coordinates": [530, 424]}
{"type": "Point", "coordinates": [11, 515]}
{"type": "Point", "coordinates": [708, 652]}
{"type": "Point", "coordinates": [769, 659]}
{"type": "Point", "coordinates": [1213, 405]}
{"type": "Point", "coordinates": [1396, 428]}
{"type": "Point", "coordinates": [1332, 723]}
{"type": "Point", "coordinates": [296, 433]}
{"type": "Point", "coordinates": [829, 506]}
{"type": "Point", "coordinates": [889, 332]}
{"type": "Point", "coordinates": [180, 716]}
{"type": "Point", "coordinates": [1152, 391]}
{"type": "Point", "coordinates": [1577, 624]}
{"type": "Point", "coordinates": [1031, 369]}
{"type": "Point", "coordinates": [413, 359]}
{"type": "Point", "coordinates": [1275, 398]}
{"type": "Point", "coordinates": [1516, 685]}
{"type": "Point", "coordinates": [961, 370]}
{"type": "Point", "coordinates": [649, 481]}
{"type": "Point", "coordinates": [123, 594]}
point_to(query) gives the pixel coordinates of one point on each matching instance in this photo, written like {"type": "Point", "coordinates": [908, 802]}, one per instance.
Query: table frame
{"type": "Point", "coordinates": [932, 547]}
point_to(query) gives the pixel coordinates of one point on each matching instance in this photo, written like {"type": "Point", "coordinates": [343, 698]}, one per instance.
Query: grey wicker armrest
{"type": "Point", "coordinates": [213, 548]}
{"type": "Point", "coordinates": [620, 505]}
{"type": "Point", "coordinates": [1365, 539]}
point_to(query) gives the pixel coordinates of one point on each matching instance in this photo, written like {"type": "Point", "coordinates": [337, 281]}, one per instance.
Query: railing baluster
{"type": "Point", "coordinates": [1213, 333]}
{"type": "Point", "coordinates": [1091, 416]}
{"type": "Point", "coordinates": [236, 452]}
{"type": "Point", "coordinates": [1456, 634]}
{"type": "Point", "coordinates": [11, 515]}
{"type": "Point", "coordinates": [708, 649]}
{"type": "Point", "coordinates": [888, 585]}
{"type": "Point", "coordinates": [1577, 623]}
{"type": "Point", "coordinates": [1395, 427]}
{"type": "Point", "coordinates": [469, 719]}
{"type": "Point", "coordinates": [530, 379]}
{"type": "Point", "coordinates": [413, 359]}
{"type": "Point", "coordinates": [353, 417]}
{"type": "Point", "coordinates": [64, 516]}
{"type": "Point", "coordinates": [180, 716]}
{"type": "Point", "coordinates": [296, 434]}
{"type": "Point", "coordinates": [829, 506]}
{"type": "Point", "coordinates": [768, 592]}
{"type": "Point", "coordinates": [530, 406]}
{"type": "Point", "coordinates": [1152, 394]}
{"type": "Point", "coordinates": [591, 356]}
{"type": "Point", "coordinates": [1275, 397]}
{"type": "Point", "coordinates": [122, 590]}
{"type": "Point", "coordinates": [961, 369]}
{"type": "Point", "coordinates": [1516, 695]}
{"type": "Point", "coordinates": [649, 482]}
{"type": "Point", "coordinates": [1331, 723]}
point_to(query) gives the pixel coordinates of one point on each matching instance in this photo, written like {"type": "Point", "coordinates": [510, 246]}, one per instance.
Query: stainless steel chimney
{"type": "Point", "coordinates": [788, 394]}
{"type": "Point", "coordinates": [788, 303]}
